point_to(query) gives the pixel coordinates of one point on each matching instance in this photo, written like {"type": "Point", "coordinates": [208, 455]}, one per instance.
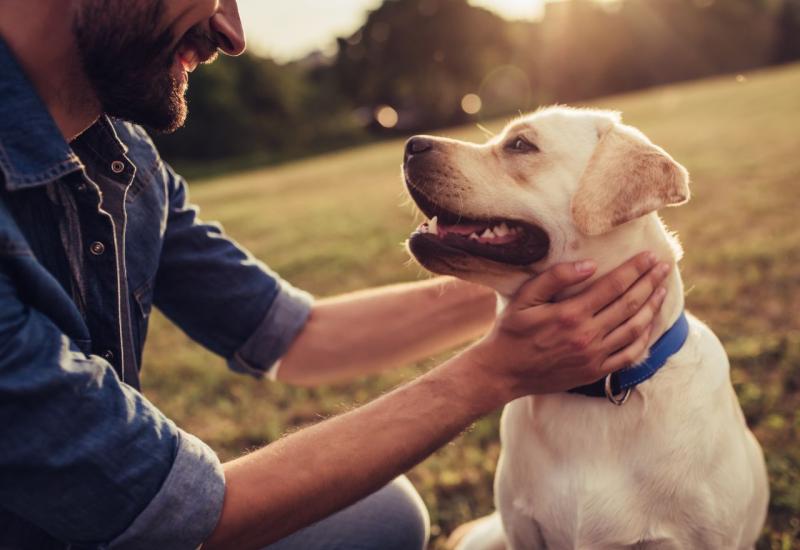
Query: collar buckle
{"type": "Point", "coordinates": [619, 399]}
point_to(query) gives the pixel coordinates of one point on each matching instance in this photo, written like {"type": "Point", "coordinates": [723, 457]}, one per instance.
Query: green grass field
{"type": "Point", "coordinates": [336, 223]}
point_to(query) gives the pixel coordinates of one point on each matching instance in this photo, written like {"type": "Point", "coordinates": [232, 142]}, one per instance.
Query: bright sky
{"type": "Point", "coordinates": [289, 29]}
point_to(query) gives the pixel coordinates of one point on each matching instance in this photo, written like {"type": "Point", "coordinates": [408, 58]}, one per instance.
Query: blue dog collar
{"type": "Point", "coordinates": [622, 382]}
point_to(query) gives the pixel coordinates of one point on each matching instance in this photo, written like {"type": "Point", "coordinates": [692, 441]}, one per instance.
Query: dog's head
{"type": "Point", "coordinates": [551, 187]}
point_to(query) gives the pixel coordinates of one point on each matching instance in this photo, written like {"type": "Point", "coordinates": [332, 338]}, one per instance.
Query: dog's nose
{"type": "Point", "coordinates": [418, 145]}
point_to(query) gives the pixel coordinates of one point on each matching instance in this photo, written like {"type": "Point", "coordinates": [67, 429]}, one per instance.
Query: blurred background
{"type": "Point", "coordinates": [335, 73]}
{"type": "Point", "coordinates": [296, 147]}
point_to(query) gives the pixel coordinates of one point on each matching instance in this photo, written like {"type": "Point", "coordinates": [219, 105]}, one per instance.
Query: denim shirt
{"type": "Point", "coordinates": [93, 234]}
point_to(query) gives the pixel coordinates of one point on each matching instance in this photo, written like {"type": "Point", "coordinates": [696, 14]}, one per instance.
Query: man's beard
{"type": "Point", "coordinates": [129, 68]}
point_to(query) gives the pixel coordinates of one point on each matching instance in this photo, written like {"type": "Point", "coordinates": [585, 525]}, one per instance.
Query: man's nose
{"type": "Point", "coordinates": [227, 28]}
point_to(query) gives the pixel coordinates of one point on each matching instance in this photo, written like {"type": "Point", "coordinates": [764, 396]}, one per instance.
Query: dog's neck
{"type": "Point", "coordinates": [611, 250]}
{"type": "Point", "coordinates": [646, 233]}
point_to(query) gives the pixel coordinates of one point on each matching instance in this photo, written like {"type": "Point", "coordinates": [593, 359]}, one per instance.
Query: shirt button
{"type": "Point", "coordinates": [82, 188]}
{"type": "Point", "coordinates": [97, 248]}
{"type": "Point", "coordinates": [108, 355]}
{"type": "Point", "coordinates": [117, 166]}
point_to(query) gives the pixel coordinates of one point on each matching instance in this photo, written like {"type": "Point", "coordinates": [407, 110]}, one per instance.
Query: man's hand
{"type": "Point", "coordinates": [540, 346]}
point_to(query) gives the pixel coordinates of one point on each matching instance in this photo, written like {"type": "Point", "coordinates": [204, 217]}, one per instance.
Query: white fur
{"type": "Point", "coordinates": [675, 467]}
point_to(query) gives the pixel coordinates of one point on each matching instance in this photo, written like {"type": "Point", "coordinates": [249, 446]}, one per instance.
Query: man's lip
{"type": "Point", "coordinates": [193, 51]}
{"type": "Point", "coordinates": [190, 57]}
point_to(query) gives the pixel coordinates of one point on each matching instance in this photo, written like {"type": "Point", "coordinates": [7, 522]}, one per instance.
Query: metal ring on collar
{"type": "Point", "coordinates": [617, 400]}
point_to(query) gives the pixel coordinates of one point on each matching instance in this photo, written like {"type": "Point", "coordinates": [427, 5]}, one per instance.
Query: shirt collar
{"type": "Point", "coordinates": [32, 150]}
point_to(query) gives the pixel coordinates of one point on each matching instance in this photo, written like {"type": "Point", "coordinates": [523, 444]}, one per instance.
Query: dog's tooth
{"type": "Point", "coordinates": [433, 225]}
{"type": "Point", "coordinates": [501, 230]}
{"type": "Point", "coordinates": [474, 237]}
{"type": "Point", "coordinates": [488, 234]}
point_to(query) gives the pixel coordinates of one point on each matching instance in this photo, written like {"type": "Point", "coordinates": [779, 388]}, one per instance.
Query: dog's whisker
{"type": "Point", "coordinates": [485, 130]}
{"type": "Point", "coordinates": [460, 196]}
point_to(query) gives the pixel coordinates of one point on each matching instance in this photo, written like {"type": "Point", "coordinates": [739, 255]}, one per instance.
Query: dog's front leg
{"type": "Point", "coordinates": [527, 535]}
{"type": "Point", "coordinates": [522, 532]}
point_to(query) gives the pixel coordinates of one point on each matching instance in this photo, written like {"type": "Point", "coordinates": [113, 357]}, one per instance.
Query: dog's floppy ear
{"type": "Point", "coordinates": [626, 178]}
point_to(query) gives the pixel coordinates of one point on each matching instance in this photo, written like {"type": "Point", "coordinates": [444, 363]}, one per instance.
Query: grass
{"type": "Point", "coordinates": [336, 222]}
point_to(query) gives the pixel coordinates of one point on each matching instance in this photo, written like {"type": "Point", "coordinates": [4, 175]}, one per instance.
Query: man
{"type": "Point", "coordinates": [95, 228]}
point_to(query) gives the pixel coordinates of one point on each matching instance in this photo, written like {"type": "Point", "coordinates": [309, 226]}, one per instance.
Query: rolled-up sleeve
{"type": "Point", "coordinates": [222, 296]}
{"type": "Point", "coordinates": [87, 458]}
{"type": "Point", "coordinates": [168, 522]}
{"type": "Point", "coordinates": [260, 354]}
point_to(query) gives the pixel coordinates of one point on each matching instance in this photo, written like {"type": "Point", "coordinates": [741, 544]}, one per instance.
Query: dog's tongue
{"type": "Point", "coordinates": [462, 228]}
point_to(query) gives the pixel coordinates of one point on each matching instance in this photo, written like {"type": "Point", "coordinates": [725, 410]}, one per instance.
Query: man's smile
{"type": "Point", "coordinates": [188, 57]}
{"type": "Point", "coordinates": [194, 48]}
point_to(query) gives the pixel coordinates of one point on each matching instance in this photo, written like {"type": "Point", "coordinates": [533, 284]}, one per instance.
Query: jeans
{"type": "Point", "coordinates": [394, 518]}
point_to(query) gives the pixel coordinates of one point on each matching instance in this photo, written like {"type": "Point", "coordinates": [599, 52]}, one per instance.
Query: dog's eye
{"type": "Point", "coordinates": [521, 145]}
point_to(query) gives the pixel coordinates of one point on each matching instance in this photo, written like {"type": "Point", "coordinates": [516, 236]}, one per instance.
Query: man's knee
{"type": "Point", "coordinates": [404, 516]}
{"type": "Point", "coordinates": [394, 518]}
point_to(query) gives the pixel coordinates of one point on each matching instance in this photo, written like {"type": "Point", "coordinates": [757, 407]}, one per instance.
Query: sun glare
{"type": "Point", "coordinates": [513, 9]}
{"type": "Point", "coordinates": [290, 30]}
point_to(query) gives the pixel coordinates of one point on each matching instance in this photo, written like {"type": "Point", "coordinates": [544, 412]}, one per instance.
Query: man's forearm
{"type": "Point", "coordinates": [314, 472]}
{"type": "Point", "coordinates": [536, 346]}
{"type": "Point", "coordinates": [368, 331]}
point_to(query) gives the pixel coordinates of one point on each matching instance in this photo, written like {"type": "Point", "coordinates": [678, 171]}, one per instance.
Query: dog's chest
{"type": "Point", "coordinates": [584, 470]}
{"type": "Point", "coordinates": [575, 489]}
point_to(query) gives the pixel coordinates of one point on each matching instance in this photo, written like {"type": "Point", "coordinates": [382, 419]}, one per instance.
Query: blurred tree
{"type": "Point", "coordinates": [252, 107]}
{"type": "Point", "coordinates": [230, 102]}
{"type": "Point", "coordinates": [787, 47]}
{"type": "Point", "coordinates": [421, 57]}
{"type": "Point", "coordinates": [638, 43]}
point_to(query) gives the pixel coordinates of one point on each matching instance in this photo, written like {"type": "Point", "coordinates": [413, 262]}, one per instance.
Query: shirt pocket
{"type": "Point", "coordinates": [144, 237]}
{"type": "Point", "coordinates": [142, 304]}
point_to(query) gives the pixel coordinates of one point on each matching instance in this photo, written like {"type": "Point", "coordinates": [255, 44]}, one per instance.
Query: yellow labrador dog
{"type": "Point", "coordinates": [674, 464]}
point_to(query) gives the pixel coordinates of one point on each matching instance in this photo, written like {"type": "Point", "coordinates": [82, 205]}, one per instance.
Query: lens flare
{"type": "Point", "coordinates": [386, 116]}
{"type": "Point", "coordinates": [471, 104]}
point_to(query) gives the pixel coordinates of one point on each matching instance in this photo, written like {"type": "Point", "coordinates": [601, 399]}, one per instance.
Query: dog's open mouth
{"type": "Point", "coordinates": [500, 240]}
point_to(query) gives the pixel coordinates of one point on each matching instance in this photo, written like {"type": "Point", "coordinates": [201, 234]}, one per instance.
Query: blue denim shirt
{"type": "Point", "coordinates": [92, 234]}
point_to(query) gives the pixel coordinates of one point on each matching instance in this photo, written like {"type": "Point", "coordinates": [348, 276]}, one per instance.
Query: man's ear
{"type": "Point", "coordinates": [626, 178]}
